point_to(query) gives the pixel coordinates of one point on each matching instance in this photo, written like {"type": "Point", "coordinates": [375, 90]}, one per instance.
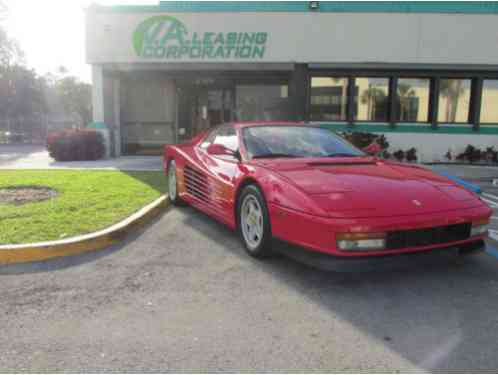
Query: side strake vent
{"type": "Point", "coordinates": [196, 184]}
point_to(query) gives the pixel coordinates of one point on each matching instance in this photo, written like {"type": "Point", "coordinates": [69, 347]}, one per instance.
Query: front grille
{"type": "Point", "coordinates": [427, 236]}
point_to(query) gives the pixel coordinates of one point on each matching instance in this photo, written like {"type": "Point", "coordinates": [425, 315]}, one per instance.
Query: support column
{"type": "Point", "coordinates": [298, 90]}
{"type": "Point", "coordinates": [98, 93]}
{"type": "Point", "coordinates": [116, 86]}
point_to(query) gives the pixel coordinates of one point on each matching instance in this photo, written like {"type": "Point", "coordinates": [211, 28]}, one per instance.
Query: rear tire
{"type": "Point", "coordinates": [253, 222]}
{"type": "Point", "coordinates": [173, 184]}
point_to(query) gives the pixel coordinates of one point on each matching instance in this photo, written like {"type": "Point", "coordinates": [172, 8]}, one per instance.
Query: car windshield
{"type": "Point", "coordinates": [294, 142]}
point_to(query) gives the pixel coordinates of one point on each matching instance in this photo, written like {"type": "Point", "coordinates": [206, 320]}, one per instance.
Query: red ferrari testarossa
{"type": "Point", "coordinates": [307, 186]}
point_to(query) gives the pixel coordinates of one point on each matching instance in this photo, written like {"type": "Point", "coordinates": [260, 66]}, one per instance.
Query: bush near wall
{"type": "Point", "coordinates": [75, 145]}
{"type": "Point", "coordinates": [473, 154]}
{"type": "Point", "coordinates": [364, 139]}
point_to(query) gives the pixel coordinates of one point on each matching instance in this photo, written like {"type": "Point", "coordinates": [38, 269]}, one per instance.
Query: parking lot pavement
{"type": "Point", "coordinates": [183, 296]}
{"type": "Point", "coordinates": [490, 196]}
{"type": "Point", "coordinates": [37, 157]}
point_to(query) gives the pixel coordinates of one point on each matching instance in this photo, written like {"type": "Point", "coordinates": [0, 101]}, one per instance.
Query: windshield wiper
{"type": "Point", "coordinates": [264, 156]}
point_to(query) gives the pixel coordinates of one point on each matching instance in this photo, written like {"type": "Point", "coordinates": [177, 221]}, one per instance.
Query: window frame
{"type": "Point", "coordinates": [434, 75]}
{"type": "Point", "coordinates": [396, 119]}
{"type": "Point", "coordinates": [348, 88]}
{"type": "Point", "coordinates": [485, 78]}
{"type": "Point", "coordinates": [389, 99]}
{"type": "Point", "coordinates": [469, 113]}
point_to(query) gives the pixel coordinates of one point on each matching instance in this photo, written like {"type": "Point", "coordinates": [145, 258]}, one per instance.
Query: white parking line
{"type": "Point", "coordinates": [490, 196]}
{"type": "Point", "coordinates": [494, 217]}
{"type": "Point", "coordinates": [491, 203]}
{"type": "Point", "coordinates": [493, 234]}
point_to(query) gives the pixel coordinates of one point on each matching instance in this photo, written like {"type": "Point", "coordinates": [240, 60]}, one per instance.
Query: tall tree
{"type": "Point", "coordinates": [10, 52]}
{"type": "Point", "coordinates": [75, 97]}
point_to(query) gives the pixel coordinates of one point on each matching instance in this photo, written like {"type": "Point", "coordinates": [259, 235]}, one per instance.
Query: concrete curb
{"type": "Point", "coordinates": [23, 253]}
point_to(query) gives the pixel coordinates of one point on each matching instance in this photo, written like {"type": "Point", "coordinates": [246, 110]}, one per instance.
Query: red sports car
{"type": "Point", "coordinates": [309, 187]}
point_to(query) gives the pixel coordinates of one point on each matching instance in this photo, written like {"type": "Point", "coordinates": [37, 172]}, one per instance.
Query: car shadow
{"type": "Point", "coordinates": [439, 318]}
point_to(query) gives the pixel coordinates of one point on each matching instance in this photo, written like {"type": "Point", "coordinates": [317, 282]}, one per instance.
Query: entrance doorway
{"type": "Point", "coordinates": [203, 105]}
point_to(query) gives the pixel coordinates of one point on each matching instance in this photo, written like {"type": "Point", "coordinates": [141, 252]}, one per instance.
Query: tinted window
{"type": "Point", "coordinates": [489, 104]}
{"type": "Point", "coordinates": [413, 99]}
{"type": "Point", "coordinates": [371, 99]}
{"type": "Point", "coordinates": [328, 98]}
{"type": "Point", "coordinates": [295, 141]}
{"type": "Point", "coordinates": [454, 100]}
{"type": "Point", "coordinates": [262, 102]}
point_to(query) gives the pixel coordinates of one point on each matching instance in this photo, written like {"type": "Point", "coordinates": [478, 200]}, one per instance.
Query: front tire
{"type": "Point", "coordinates": [254, 222]}
{"type": "Point", "coordinates": [173, 184]}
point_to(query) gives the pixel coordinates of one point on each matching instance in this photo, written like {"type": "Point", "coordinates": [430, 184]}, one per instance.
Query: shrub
{"type": "Point", "coordinates": [471, 154]}
{"type": "Point", "coordinates": [490, 155]}
{"type": "Point", "coordinates": [363, 139]}
{"type": "Point", "coordinates": [411, 154]}
{"type": "Point", "coordinates": [399, 155]}
{"type": "Point", "coordinates": [72, 145]}
{"type": "Point", "coordinates": [386, 154]}
{"type": "Point", "coordinates": [448, 155]}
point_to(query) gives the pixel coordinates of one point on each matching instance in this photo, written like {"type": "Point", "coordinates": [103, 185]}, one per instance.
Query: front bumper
{"type": "Point", "coordinates": [379, 263]}
{"type": "Point", "coordinates": [318, 233]}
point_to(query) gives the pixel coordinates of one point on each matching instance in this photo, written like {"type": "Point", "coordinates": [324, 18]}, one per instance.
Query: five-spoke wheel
{"type": "Point", "coordinates": [254, 223]}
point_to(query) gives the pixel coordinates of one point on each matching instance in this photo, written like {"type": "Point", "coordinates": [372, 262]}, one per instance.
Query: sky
{"type": "Point", "coordinates": [52, 32]}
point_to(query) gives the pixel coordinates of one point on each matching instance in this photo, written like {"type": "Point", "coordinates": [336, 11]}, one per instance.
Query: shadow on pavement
{"type": "Point", "coordinates": [440, 318]}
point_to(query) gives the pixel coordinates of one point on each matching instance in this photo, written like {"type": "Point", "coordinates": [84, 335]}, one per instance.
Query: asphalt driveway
{"type": "Point", "coordinates": [183, 296]}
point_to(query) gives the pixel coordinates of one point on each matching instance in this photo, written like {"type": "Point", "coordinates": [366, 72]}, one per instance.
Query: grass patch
{"type": "Point", "coordinates": [87, 201]}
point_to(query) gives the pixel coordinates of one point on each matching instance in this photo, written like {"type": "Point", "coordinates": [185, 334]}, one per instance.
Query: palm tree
{"type": "Point", "coordinates": [373, 97]}
{"type": "Point", "coordinates": [451, 89]}
{"type": "Point", "coordinates": [405, 91]}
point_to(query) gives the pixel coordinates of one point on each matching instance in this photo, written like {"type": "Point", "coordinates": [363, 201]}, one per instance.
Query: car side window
{"type": "Point", "coordinates": [224, 135]}
{"type": "Point", "coordinates": [209, 139]}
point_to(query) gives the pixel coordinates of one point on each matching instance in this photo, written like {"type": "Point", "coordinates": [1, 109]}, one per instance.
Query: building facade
{"type": "Point", "coordinates": [425, 74]}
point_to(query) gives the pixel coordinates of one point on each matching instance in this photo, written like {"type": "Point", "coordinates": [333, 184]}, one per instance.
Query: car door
{"type": "Point", "coordinates": [222, 169]}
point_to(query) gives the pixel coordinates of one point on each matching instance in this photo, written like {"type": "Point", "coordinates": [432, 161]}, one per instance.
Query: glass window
{"type": "Point", "coordinates": [371, 99]}
{"type": "Point", "coordinates": [412, 99]}
{"type": "Point", "coordinates": [224, 135]}
{"type": "Point", "coordinates": [262, 102]}
{"type": "Point", "coordinates": [489, 103]}
{"type": "Point", "coordinates": [329, 97]}
{"type": "Point", "coordinates": [454, 100]}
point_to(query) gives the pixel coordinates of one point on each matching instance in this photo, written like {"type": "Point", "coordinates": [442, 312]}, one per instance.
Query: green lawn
{"type": "Point", "coordinates": [87, 201]}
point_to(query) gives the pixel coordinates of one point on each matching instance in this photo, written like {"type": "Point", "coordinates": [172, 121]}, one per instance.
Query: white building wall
{"type": "Point", "coordinates": [317, 37]}
{"type": "Point", "coordinates": [433, 147]}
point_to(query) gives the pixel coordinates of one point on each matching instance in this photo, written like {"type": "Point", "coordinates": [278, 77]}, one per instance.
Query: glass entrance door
{"type": "Point", "coordinates": [214, 107]}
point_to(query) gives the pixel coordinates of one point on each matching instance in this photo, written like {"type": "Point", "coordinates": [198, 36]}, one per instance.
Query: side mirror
{"type": "Point", "coordinates": [217, 149]}
{"type": "Point", "coordinates": [372, 149]}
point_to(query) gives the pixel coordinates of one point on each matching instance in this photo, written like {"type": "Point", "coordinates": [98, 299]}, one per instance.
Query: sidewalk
{"type": "Point", "coordinates": [36, 157]}
{"type": "Point", "coordinates": [469, 172]}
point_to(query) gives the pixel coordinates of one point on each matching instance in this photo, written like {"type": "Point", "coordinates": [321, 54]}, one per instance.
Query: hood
{"type": "Point", "coordinates": [370, 187]}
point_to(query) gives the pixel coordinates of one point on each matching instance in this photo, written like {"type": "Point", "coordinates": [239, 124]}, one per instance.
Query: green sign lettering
{"type": "Point", "coordinates": [165, 37]}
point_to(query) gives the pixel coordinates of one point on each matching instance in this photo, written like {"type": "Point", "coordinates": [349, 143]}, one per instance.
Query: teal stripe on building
{"type": "Point", "coordinates": [411, 128]}
{"type": "Point", "coordinates": [465, 7]}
